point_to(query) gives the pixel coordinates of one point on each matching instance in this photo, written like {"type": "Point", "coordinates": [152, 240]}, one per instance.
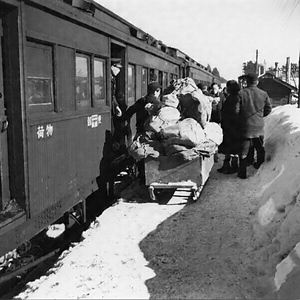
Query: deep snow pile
{"type": "Point", "coordinates": [277, 221]}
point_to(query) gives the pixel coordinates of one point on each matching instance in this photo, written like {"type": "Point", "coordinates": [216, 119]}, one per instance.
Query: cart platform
{"type": "Point", "coordinates": [173, 172]}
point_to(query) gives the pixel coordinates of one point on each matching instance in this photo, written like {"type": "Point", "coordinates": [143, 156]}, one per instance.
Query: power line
{"type": "Point", "coordinates": [296, 3]}
{"type": "Point", "coordinates": [282, 10]}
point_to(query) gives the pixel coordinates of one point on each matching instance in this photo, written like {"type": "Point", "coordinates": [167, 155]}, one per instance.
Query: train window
{"type": "Point", "coordinates": [165, 80]}
{"type": "Point", "coordinates": [39, 76]}
{"type": "Point", "coordinates": [131, 83]}
{"type": "Point", "coordinates": [160, 77]}
{"type": "Point", "coordinates": [144, 81]}
{"type": "Point", "coordinates": [82, 82]}
{"type": "Point", "coordinates": [99, 86]}
{"type": "Point", "coordinates": [153, 76]}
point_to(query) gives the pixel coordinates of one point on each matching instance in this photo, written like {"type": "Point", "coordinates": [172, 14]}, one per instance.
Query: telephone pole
{"type": "Point", "coordinates": [299, 81]}
{"type": "Point", "coordinates": [288, 70]}
{"type": "Point", "coordinates": [256, 62]}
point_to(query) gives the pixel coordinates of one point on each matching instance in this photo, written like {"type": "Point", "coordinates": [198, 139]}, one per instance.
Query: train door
{"type": "Point", "coordinates": [4, 171]}
{"type": "Point", "coordinates": [118, 96]}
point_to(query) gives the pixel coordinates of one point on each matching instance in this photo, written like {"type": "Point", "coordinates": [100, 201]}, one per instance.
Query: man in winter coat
{"type": "Point", "coordinates": [253, 106]}
{"type": "Point", "coordinates": [141, 107]}
{"type": "Point", "coordinates": [217, 98]}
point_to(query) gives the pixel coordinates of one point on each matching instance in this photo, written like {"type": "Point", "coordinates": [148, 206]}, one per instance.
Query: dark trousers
{"type": "Point", "coordinates": [249, 144]}
{"type": "Point", "coordinates": [141, 171]}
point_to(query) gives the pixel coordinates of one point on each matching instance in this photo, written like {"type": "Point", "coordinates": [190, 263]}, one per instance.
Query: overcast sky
{"type": "Point", "coordinates": [222, 33]}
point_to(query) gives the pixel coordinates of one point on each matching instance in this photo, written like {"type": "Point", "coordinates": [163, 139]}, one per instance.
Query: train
{"type": "Point", "coordinates": [55, 104]}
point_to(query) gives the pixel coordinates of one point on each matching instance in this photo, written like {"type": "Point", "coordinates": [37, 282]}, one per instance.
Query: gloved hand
{"type": "Point", "coordinates": [118, 111]}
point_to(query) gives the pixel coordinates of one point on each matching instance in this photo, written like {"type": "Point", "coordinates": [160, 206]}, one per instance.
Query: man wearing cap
{"type": "Point", "coordinates": [141, 107]}
{"type": "Point", "coordinates": [203, 87]}
{"type": "Point", "coordinates": [253, 106]}
{"type": "Point", "coordinates": [115, 70]}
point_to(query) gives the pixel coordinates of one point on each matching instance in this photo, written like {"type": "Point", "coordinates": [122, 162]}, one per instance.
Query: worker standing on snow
{"type": "Point", "coordinates": [253, 106]}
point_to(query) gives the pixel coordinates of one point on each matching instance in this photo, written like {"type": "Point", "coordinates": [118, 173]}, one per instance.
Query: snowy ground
{"type": "Point", "coordinates": [226, 245]}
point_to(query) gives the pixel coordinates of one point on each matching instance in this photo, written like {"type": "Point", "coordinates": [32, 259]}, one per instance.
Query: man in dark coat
{"type": "Point", "coordinates": [203, 87]}
{"type": "Point", "coordinates": [230, 125]}
{"type": "Point", "coordinates": [253, 106]}
{"type": "Point", "coordinates": [218, 99]}
{"type": "Point", "coordinates": [142, 106]}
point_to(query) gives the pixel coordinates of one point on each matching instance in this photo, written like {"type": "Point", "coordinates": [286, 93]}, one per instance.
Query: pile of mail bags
{"type": "Point", "coordinates": [180, 127]}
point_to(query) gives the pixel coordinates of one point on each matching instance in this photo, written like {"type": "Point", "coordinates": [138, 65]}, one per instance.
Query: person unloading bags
{"type": "Point", "coordinates": [143, 107]}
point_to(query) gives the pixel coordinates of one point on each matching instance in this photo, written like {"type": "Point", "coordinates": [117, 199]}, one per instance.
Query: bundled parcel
{"type": "Point", "coordinates": [179, 126]}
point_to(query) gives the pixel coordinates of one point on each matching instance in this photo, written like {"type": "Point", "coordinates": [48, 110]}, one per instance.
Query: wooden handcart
{"type": "Point", "coordinates": [172, 172]}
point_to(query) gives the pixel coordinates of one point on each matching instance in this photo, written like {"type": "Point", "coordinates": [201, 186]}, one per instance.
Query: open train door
{"type": "Point", "coordinates": [12, 167]}
{"type": "Point", "coordinates": [118, 92]}
{"type": "Point", "coordinates": [4, 171]}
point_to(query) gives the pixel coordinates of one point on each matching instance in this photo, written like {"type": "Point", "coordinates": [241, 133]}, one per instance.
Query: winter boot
{"type": "Point", "coordinates": [225, 167]}
{"type": "Point", "coordinates": [250, 156]}
{"type": "Point", "coordinates": [260, 158]}
{"type": "Point", "coordinates": [234, 166]}
{"type": "Point", "coordinates": [243, 169]}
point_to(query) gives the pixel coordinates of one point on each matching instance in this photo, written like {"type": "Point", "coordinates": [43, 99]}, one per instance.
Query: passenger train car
{"type": "Point", "coordinates": [55, 105]}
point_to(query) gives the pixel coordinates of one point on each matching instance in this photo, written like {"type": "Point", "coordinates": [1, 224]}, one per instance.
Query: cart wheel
{"type": "Point", "coordinates": [151, 193]}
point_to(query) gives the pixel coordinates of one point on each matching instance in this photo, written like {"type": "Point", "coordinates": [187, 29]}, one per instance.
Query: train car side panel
{"type": "Point", "coordinates": [200, 75]}
{"type": "Point", "coordinates": [66, 134]}
{"type": "Point", "coordinates": [56, 157]}
{"type": "Point", "coordinates": [57, 30]}
{"type": "Point", "coordinates": [149, 60]}
{"type": "Point", "coordinates": [65, 74]}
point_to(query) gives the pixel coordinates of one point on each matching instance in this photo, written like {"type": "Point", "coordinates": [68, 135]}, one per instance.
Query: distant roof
{"type": "Point", "coordinates": [270, 75]}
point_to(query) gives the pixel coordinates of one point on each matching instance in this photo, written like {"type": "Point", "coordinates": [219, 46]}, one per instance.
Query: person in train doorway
{"type": "Point", "coordinates": [115, 70]}
{"type": "Point", "coordinates": [217, 100]}
{"type": "Point", "coordinates": [111, 148]}
{"type": "Point", "coordinates": [253, 106]}
{"type": "Point", "coordinates": [118, 107]}
{"type": "Point", "coordinates": [141, 108]}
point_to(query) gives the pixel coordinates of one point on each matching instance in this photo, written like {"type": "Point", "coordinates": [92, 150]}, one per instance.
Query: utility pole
{"type": "Point", "coordinates": [256, 62]}
{"type": "Point", "coordinates": [288, 70]}
{"type": "Point", "coordinates": [299, 82]}
{"type": "Point", "coordinates": [276, 69]}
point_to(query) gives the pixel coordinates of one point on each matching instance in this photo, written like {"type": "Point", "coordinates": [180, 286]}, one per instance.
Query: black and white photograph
{"type": "Point", "coordinates": [150, 149]}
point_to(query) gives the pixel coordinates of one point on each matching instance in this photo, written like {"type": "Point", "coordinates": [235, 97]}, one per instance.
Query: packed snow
{"type": "Point", "coordinates": [278, 217]}
{"type": "Point", "coordinates": [108, 263]}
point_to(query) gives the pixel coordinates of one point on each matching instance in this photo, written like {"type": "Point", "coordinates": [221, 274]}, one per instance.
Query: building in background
{"type": "Point", "coordinates": [279, 91]}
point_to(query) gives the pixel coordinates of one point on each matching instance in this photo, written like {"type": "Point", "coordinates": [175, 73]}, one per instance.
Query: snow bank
{"type": "Point", "coordinates": [108, 262]}
{"type": "Point", "coordinates": [277, 220]}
